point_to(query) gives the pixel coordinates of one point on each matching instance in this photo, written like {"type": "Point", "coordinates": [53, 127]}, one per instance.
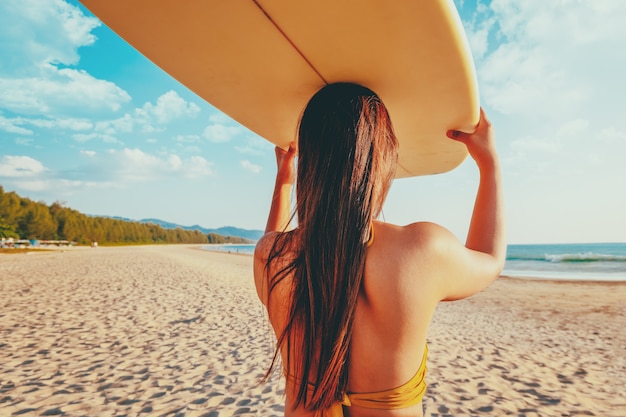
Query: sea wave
{"type": "Point", "coordinates": [568, 257]}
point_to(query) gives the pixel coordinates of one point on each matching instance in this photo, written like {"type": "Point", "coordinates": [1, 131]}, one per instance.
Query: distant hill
{"type": "Point", "coordinates": [224, 231]}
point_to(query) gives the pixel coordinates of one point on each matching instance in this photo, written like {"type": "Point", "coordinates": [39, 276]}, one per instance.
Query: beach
{"type": "Point", "coordinates": [177, 331]}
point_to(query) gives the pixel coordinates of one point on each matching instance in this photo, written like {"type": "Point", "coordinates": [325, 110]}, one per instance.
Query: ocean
{"type": "Point", "coordinates": [580, 261]}
{"type": "Point", "coordinates": [231, 248]}
{"type": "Point", "coordinates": [585, 261]}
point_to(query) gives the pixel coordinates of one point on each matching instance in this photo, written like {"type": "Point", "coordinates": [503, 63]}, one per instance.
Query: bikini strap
{"type": "Point", "coordinates": [370, 241]}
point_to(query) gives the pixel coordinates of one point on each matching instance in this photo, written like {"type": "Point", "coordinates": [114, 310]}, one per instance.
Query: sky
{"type": "Point", "coordinates": [88, 121]}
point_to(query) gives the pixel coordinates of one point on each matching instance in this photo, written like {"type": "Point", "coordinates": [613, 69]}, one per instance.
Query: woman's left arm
{"type": "Point", "coordinates": [278, 219]}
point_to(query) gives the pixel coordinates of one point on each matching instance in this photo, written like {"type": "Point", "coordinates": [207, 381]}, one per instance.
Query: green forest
{"type": "Point", "coordinates": [22, 218]}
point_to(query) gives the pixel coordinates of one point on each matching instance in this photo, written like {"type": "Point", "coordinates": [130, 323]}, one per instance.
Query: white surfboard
{"type": "Point", "coordinates": [260, 61]}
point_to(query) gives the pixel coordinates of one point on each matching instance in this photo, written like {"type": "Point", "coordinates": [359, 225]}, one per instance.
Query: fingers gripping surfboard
{"type": "Point", "coordinates": [260, 61]}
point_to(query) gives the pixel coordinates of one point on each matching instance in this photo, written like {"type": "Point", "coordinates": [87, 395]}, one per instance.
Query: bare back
{"type": "Point", "coordinates": [402, 285]}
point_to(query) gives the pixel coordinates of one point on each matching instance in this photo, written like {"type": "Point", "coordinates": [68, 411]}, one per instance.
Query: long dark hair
{"type": "Point", "coordinates": [347, 154]}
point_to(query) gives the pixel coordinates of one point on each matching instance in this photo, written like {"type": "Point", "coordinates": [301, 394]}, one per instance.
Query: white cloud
{"type": "Point", "coordinates": [86, 137]}
{"type": "Point", "coordinates": [28, 24]}
{"type": "Point", "coordinates": [255, 145]}
{"type": "Point", "coordinates": [146, 119]}
{"type": "Point", "coordinates": [12, 126]}
{"type": "Point", "coordinates": [478, 31]}
{"type": "Point", "coordinates": [32, 185]}
{"type": "Point", "coordinates": [221, 133]}
{"type": "Point", "coordinates": [198, 168]}
{"type": "Point", "coordinates": [222, 129]}
{"type": "Point", "coordinates": [551, 77]}
{"type": "Point", "coordinates": [109, 169]}
{"type": "Point", "coordinates": [24, 141]}
{"type": "Point", "coordinates": [112, 127]}
{"type": "Point", "coordinates": [220, 118]}
{"type": "Point", "coordinates": [533, 145]}
{"type": "Point", "coordinates": [60, 123]}
{"type": "Point", "coordinates": [20, 167]}
{"type": "Point", "coordinates": [573, 128]}
{"type": "Point", "coordinates": [137, 165]}
{"type": "Point", "coordinates": [541, 56]}
{"type": "Point", "coordinates": [612, 136]}
{"type": "Point", "coordinates": [60, 91]}
{"type": "Point", "coordinates": [134, 164]}
{"type": "Point", "coordinates": [187, 138]}
{"type": "Point", "coordinates": [175, 162]}
{"type": "Point", "coordinates": [188, 143]}
{"type": "Point", "coordinates": [60, 186]}
{"type": "Point", "coordinates": [249, 166]}
{"type": "Point", "coordinates": [169, 107]}
{"type": "Point", "coordinates": [550, 74]}
{"type": "Point", "coordinates": [108, 130]}
{"type": "Point", "coordinates": [40, 39]}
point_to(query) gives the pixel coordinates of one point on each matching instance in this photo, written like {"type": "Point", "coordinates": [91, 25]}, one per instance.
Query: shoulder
{"type": "Point", "coordinates": [454, 271]}
{"type": "Point", "coordinates": [264, 245]}
{"type": "Point", "coordinates": [267, 262]}
{"type": "Point", "coordinates": [421, 238]}
{"type": "Point", "coordinates": [261, 256]}
{"type": "Point", "coordinates": [408, 256]}
{"type": "Point", "coordinates": [427, 260]}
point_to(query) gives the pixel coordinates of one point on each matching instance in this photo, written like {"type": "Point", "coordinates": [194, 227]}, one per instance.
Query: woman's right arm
{"type": "Point", "coordinates": [473, 267]}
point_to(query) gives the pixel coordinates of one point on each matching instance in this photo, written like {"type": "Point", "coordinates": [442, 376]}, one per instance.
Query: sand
{"type": "Point", "coordinates": [176, 331]}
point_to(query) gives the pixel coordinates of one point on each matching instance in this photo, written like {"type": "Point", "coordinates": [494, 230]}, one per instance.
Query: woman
{"type": "Point", "coordinates": [351, 298]}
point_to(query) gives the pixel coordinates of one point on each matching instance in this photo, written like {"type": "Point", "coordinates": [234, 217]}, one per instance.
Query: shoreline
{"type": "Point", "coordinates": [200, 247]}
{"type": "Point", "coordinates": [565, 280]}
{"type": "Point", "coordinates": [502, 275]}
{"type": "Point", "coordinates": [168, 329]}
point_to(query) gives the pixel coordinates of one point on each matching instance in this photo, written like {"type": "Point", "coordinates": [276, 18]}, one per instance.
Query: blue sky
{"type": "Point", "coordinates": [86, 120]}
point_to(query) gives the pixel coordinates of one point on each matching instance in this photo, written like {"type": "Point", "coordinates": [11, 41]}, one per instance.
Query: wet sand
{"type": "Point", "coordinates": [176, 331]}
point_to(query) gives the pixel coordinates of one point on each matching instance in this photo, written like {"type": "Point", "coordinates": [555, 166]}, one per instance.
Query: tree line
{"type": "Point", "coordinates": [22, 218]}
{"type": "Point", "coordinates": [220, 239]}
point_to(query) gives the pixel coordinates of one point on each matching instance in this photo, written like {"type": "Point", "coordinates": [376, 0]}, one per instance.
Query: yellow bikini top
{"type": "Point", "coordinates": [406, 395]}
